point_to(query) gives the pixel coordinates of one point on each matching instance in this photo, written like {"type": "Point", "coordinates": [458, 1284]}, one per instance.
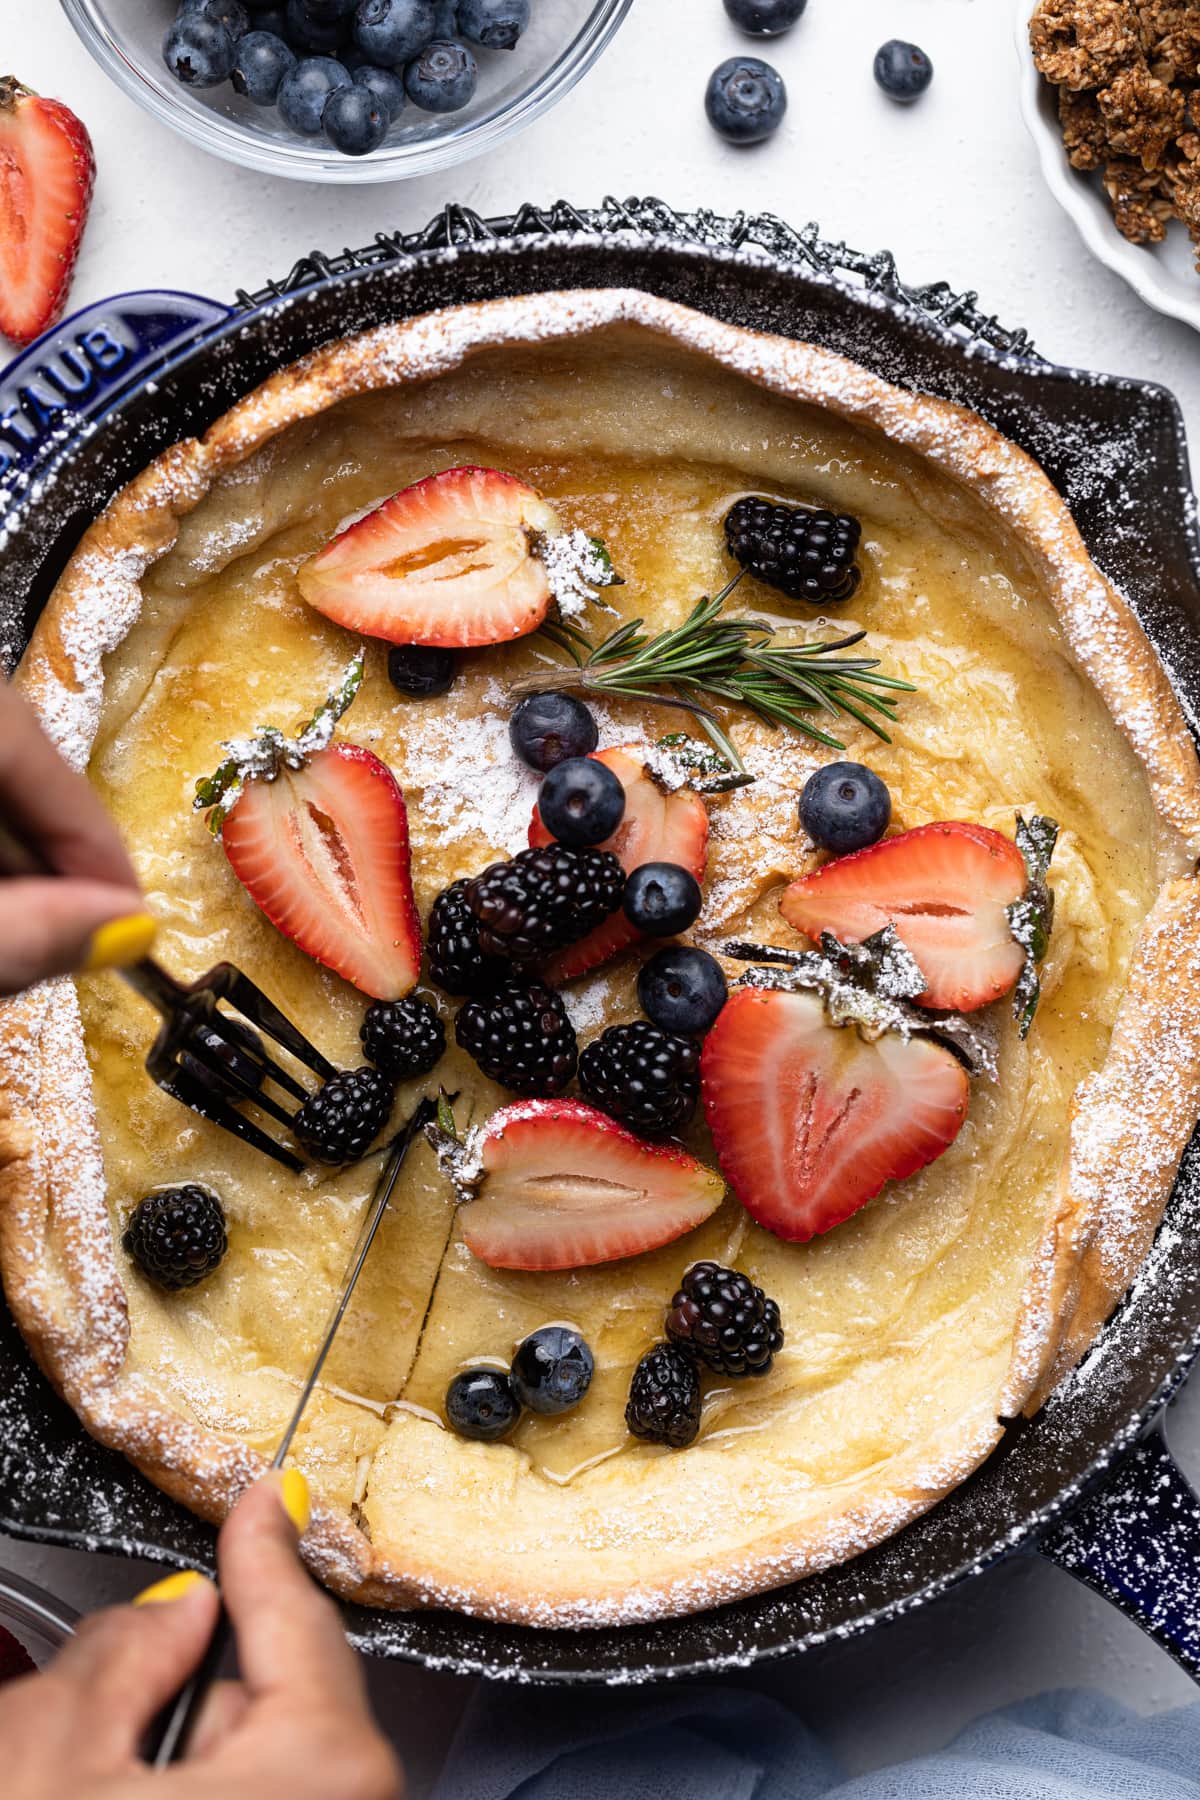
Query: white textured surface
{"type": "Point", "coordinates": [952, 186]}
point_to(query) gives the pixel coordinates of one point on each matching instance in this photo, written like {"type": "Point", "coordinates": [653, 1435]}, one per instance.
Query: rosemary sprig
{"type": "Point", "coordinates": [712, 657]}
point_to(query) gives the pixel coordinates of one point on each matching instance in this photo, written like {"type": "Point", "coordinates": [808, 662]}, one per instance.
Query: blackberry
{"type": "Point", "coordinates": [456, 962]}
{"type": "Point", "coordinates": [521, 1037]}
{"type": "Point", "coordinates": [176, 1235]}
{"type": "Point", "coordinates": [403, 1037]}
{"type": "Point", "coordinates": [664, 1398]}
{"type": "Point", "coordinates": [339, 1123]}
{"type": "Point", "coordinates": [644, 1076]}
{"type": "Point", "coordinates": [805, 554]}
{"type": "Point", "coordinates": [719, 1316]}
{"type": "Point", "coordinates": [543, 899]}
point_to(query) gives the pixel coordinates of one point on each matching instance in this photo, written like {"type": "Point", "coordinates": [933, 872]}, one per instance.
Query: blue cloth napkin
{"type": "Point", "coordinates": [706, 1743]}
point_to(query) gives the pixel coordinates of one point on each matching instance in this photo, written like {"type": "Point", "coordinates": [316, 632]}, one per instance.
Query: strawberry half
{"type": "Point", "coordinates": [946, 889]}
{"type": "Point", "coordinates": [565, 1187]}
{"type": "Point", "coordinates": [810, 1120]}
{"type": "Point", "coordinates": [656, 827]}
{"type": "Point", "coordinates": [448, 561]}
{"type": "Point", "coordinates": [323, 850]}
{"type": "Point", "coordinates": [47, 170]}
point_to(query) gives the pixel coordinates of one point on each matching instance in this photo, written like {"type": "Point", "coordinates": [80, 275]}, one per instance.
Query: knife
{"type": "Point", "coordinates": [171, 1735]}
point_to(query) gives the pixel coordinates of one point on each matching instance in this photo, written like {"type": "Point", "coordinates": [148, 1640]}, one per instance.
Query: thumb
{"type": "Point", "coordinates": [125, 1663]}
{"type": "Point", "coordinates": [53, 926]}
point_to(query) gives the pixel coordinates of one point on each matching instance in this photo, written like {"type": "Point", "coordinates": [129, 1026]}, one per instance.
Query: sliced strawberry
{"type": "Point", "coordinates": [564, 1187]}
{"type": "Point", "coordinates": [656, 827]}
{"type": "Point", "coordinates": [448, 561]}
{"type": "Point", "coordinates": [47, 169]}
{"type": "Point", "coordinates": [323, 850]}
{"type": "Point", "coordinates": [945, 888]}
{"type": "Point", "coordinates": [809, 1120]}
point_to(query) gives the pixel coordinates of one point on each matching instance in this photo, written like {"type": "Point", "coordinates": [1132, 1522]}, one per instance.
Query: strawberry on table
{"type": "Point", "coordinates": [560, 1185]}
{"type": "Point", "coordinates": [946, 888]}
{"type": "Point", "coordinates": [655, 827]}
{"type": "Point", "coordinates": [317, 833]}
{"type": "Point", "coordinates": [809, 1119]}
{"type": "Point", "coordinates": [450, 561]}
{"type": "Point", "coordinates": [47, 170]}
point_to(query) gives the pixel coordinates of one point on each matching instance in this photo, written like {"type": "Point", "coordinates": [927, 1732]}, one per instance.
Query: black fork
{"type": "Point", "coordinates": [215, 1061]}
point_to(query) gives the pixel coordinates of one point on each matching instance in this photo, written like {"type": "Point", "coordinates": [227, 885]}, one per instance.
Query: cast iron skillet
{"type": "Point", "coordinates": [1089, 1482]}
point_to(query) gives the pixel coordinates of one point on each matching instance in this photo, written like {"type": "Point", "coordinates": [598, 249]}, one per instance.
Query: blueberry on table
{"type": "Point", "coordinates": [445, 19]}
{"type": "Point", "coordinates": [232, 14]}
{"type": "Point", "coordinates": [581, 801]}
{"type": "Point", "coordinates": [662, 899]}
{"type": "Point", "coordinates": [443, 77]}
{"type": "Point", "coordinates": [481, 1404]}
{"type": "Point", "coordinates": [386, 87]}
{"type": "Point", "coordinates": [765, 18]}
{"type": "Point", "coordinates": [420, 671]}
{"type": "Point", "coordinates": [260, 64]}
{"type": "Point", "coordinates": [307, 31]}
{"type": "Point", "coordinates": [902, 70]}
{"type": "Point", "coordinates": [546, 729]}
{"type": "Point", "coordinates": [394, 31]}
{"type": "Point", "coordinates": [552, 1369]}
{"type": "Point", "coordinates": [844, 807]}
{"type": "Point", "coordinates": [306, 88]}
{"type": "Point", "coordinates": [354, 121]}
{"type": "Point", "coordinates": [496, 24]}
{"type": "Point", "coordinates": [197, 52]}
{"type": "Point", "coordinates": [746, 100]}
{"type": "Point", "coordinates": [682, 989]}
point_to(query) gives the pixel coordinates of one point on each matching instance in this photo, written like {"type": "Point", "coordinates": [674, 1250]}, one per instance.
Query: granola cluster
{"type": "Point", "coordinates": [1128, 80]}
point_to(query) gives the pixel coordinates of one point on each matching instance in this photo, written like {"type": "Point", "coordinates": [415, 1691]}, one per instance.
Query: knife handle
{"type": "Point", "coordinates": [172, 1730]}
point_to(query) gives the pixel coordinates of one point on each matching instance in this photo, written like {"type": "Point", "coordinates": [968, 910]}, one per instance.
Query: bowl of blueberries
{"type": "Point", "coordinates": [346, 90]}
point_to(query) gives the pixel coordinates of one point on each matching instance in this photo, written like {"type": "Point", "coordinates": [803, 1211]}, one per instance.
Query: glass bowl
{"type": "Point", "coordinates": [562, 42]}
{"type": "Point", "coordinates": [36, 1619]}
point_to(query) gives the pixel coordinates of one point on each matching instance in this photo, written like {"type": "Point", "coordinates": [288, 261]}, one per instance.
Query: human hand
{"type": "Point", "coordinates": [87, 911]}
{"type": "Point", "coordinates": [296, 1724]}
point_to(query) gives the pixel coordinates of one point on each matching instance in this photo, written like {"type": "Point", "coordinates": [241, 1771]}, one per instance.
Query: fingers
{"type": "Point", "coordinates": [52, 808]}
{"type": "Point", "coordinates": [50, 927]}
{"type": "Point", "coordinates": [124, 1664]}
{"type": "Point", "coordinates": [289, 1634]}
{"type": "Point", "coordinates": [222, 1712]}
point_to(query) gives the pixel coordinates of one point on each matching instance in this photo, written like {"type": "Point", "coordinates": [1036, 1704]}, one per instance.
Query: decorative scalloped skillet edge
{"type": "Point", "coordinates": [55, 1245]}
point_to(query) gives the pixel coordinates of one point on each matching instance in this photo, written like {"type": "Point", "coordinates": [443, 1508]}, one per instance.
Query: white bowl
{"type": "Point", "coordinates": [1163, 274]}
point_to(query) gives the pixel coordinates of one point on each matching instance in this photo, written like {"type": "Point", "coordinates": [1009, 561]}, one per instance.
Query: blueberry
{"type": "Point", "coordinates": [386, 87]}
{"type": "Point", "coordinates": [421, 671]}
{"type": "Point", "coordinates": [307, 31]}
{"type": "Point", "coordinates": [546, 729]}
{"type": "Point", "coordinates": [445, 19]}
{"type": "Point", "coordinates": [552, 1369]}
{"type": "Point", "coordinates": [682, 989]}
{"type": "Point", "coordinates": [496, 24]}
{"type": "Point", "coordinates": [845, 807]}
{"type": "Point", "coordinates": [394, 31]}
{"type": "Point", "coordinates": [902, 70]}
{"type": "Point", "coordinates": [260, 64]}
{"type": "Point", "coordinates": [231, 14]}
{"type": "Point", "coordinates": [197, 52]}
{"type": "Point", "coordinates": [274, 20]}
{"type": "Point", "coordinates": [746, 100]}
{"type": "Point", "coordinates": [443, 77]}
{"type": "Point", "coordinates": [354, 121]}
{"type": "Point", "coordinates": [662, 898]}
{"type": "Point", "coordinates": [765, 18]}
{"type": "Point", "coordinates": [326, 10]}
{"type": "Point", "coordinates": [581, 801]}
{"type": "Point", "coordinates": [480, 1403]}
{"type": "Point", "coordinates": [305, 89]}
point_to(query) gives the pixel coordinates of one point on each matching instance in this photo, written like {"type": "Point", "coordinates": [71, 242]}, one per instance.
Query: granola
{"type": "Point", "coordinates": [1128, 80]}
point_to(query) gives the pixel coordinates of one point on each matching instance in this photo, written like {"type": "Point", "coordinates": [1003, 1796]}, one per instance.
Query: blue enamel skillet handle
{"type": "Point", "coordinates": [1137, 1542]}
{"type": "Point", "coordinates": [68, 378]}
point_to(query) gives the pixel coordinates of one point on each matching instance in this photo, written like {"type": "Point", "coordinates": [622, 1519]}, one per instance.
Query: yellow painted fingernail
{"type": "Point", "coordinates": [293, 1491]}
{"type": "Point", "coordinates": [121, 942]}
{"type": "Point", "coordinates": [171, 1587]}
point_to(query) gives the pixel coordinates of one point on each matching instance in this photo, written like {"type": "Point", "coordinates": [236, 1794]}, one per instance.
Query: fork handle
{"type": "Point", "coordinates": [171, 1732]}
{"type": "Point", "coordinates": [152, 982]}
